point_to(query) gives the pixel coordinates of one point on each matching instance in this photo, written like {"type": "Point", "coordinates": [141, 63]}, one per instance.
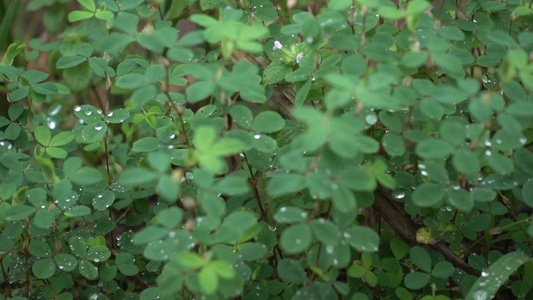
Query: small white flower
{"type": "Point", "coordinates": [299, 56]}
{"type": "Point", "coordinates": [277, 45]}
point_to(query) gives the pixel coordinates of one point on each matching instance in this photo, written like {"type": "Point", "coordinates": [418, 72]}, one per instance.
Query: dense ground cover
{"type": "Point", "coordinates": [255, 149]}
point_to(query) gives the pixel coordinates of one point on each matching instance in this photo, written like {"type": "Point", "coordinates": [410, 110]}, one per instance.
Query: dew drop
{"type": "Point", "coordinates": [257, 136]}
{"type": "Point", "coordinates": [77, 108]}
{"type": "Point", "coordinates": [98, 128]}
{"type": "Point", "coordinates": [398, 194]}
{"type": "Point", "coordinates": [371, 119]}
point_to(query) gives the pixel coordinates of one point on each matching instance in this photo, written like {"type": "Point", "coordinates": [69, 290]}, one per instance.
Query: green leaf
{"type": "Point", "coordinates": [362, 238]}
{"type": "Point", "coordinates": [208, 280]}
{"type": "Point", "coordinates": [227, 146]}
{"type": "Point", "coordinates": [443, 269]}
{"type": "Point", "coordinates": [170, 217]}
{"type": "Point", "coordinates": [358, 179]}
{"type": "Point", "coordinates": [168, 189]}
{"type": "Point", "coordinates": [252, 251]}
{"type": "Point", "coordinates": [268, 122]}
{"type": "Point", "coordinates": [416, 280]}
{"type": "Point", "coordinates": [104, 15]}
{"type": "Point", "coordinates": [242, 115]}
{"type": "Point", "coordinates": [56, 152]}
{"type": "Point", "coordinates": [421, 258]}
{"type": "Point", "coordinates": [43, 268]}
{"type": "Point", "coordinates": [232, 185]}
{"type": "Point", "coordinates": [69, 61]}
{"type": "Point", "coordinates": [98, 254]}
{"type": "Point", "coordinates": [325, 231]}
{"type": "Point", "coordinates": [147, 144]}
{"type": "Point", "coordinates": [199, 91]}
{"type": "Point", "coordinates": [416, 7]}
{"type": "Point", "coordinates": [131, 81]}
{"type": "Point", "coordinates": [527, 193]}
{"type": "Point", "coordinates": [414, 59]}
{"type": "Point", "coordinates": [451, 33]}
{"type": "Point", "coordinates": [223, 269]}
{"type": "Point", "coordinates": [285, 184]}
{"type": "Point", "coordinates": [43, 218]}
{"type": "Point", "coordinates": [393, 143]}
{"type": "Point", "coordinates": [47, 88]}
{"type": "Point", "coordinates": [149, 234]}
{"type": "Point", "coordinates": [62, 139]}
{"type": "Point", "coordinates": [117, 116]}
{"type": "Point", "coordinates": [86, 176]}
{"type": "Point", "coordinates": [290, 214]}
{"type": "Point", "coordinates": [296, 238]}
{"type": "Point", "coordinates": [497, 274]}
{"type": "Point", "coordinates": [88, 270]}
{"type": "Point", "coordinates": [66, 262]}
{"type": "Point", "coordinates": [399, 248]}
{"type": "Point", "coordinates": [291, 271]}
{"type": "Point", "coordinates": [18, 212]}
{"type": "Point", "coordinates": [137, 176]}
{"type": "Point", "coordinates": [428, 194]}
{"type": "Point", "coordinates": [344, 200]}
{"type": "Point", "coordinates": [88, 4]}
{"type": "Point", "coordinates": [78, 211]}
{"type": "Point", "coordinates": [104, 200]}
{"type": "Point", "coordinates": [465, 161]}
{"type": "Point", "coordinates": [20, 196]}
{"type": "Point", "coordinates": [524, 159]}
{"type": "Point", "coordinates": [460, 199]}
{"type": "Point", "coordinates": [203, 20]}
{"type": "Point", "coordinates": [20, 93]}
{"type": "Point", "coordinates": [78, 15]}
{"type": "Point", "coordinates": [339, 4]}
{"type": "Point", "coordinates": [433, 149]}
{"type": "Point", "coordinates": [191, 260]}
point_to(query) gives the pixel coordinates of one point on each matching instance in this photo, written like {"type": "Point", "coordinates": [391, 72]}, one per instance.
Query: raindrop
{"type": "Point", "coordinates": [398, 194]}
{"type": "Point", "coordinates": [77, 108]}
{"type": "Point", "coordinates": [99, 111]}
{"type": "Point", "coordinates": [257, 136]}
{"type": "Point", "coordinates": [371, 119]}
{"type": "Point", "coordinates": [480, 295]}
{"type": "Point", "coordinates": [98, 128]}
{"type": "Point", "coordinates": [523, 140]}
{"type": "Point", "coordinates": [110, 114]}
{"type": "Point", "coordinates": [88, 112]}
{"type": "Point", "coordinates": [54, 111]}
{"type": "Point", "coordinates": [51, 123]}
{"type": "Point", "coordinates": [485, 273]}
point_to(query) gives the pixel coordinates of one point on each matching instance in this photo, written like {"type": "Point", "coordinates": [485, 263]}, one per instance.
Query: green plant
{"type": "Point", "coordinates": [157, 149]}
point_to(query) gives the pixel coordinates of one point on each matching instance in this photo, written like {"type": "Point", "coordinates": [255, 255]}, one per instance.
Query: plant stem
{"type": "Point", "coordinates": [253, 183]}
